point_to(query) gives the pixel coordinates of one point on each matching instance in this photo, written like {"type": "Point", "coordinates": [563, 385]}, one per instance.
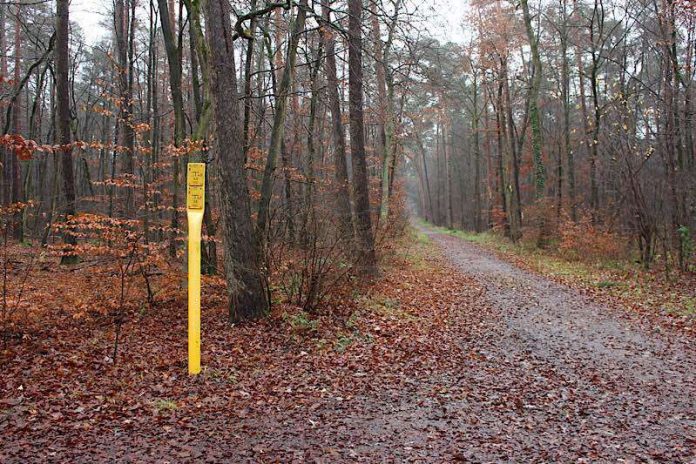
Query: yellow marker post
{"type": "Point", "coordinates": [195, 202]}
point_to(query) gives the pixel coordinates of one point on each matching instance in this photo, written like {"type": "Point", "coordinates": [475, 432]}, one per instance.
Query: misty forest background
{"type": "Point", "coordinates": [565, 125]}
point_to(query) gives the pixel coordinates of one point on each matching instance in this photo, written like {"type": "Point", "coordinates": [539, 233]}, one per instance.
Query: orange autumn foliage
{"type": "Point", "coordinates": [583, 241]}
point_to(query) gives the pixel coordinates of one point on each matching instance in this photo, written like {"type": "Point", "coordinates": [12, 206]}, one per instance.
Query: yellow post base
{"type": "Point", "coordinates": [195, 201]}
{"type": "Point", "coordinates": [195, 219]}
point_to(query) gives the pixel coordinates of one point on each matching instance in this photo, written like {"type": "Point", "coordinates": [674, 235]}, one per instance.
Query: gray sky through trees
{"type": "Point", "coordinates": [444, 18]}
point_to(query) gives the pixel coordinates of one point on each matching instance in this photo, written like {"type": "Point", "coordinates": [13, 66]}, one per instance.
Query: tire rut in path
{"type": "Point", "coordinates": [575, 379]}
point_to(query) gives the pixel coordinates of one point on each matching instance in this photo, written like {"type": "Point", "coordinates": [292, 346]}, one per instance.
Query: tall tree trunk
{"type": "Point", "coordinates": [248, 102]}
{"type": "Point", "coordinates": [448, 176]}
{"type": "Point", "coordinates": [129, 129]}
{"type": "Point", "coordinates": [503, 160]}
{"type": "Point", "coordinates": [16, 105]}
{"type": "Point", "coordinates": [122, 36]}
{"type": "Point", "coordinates": [199, 50]}
{"type": "Point", "coordinates": [63, 110]}
{"type": "Point", "coordinates": [512, 168]}
{"type": "Point", "coordinates": [429, 212]}
{"type": "Point", "coordinates": [6, 172]}
{"type": "Point", "coordinates": [149, 115]}
{"type": "Point", "coordinates": [477, 152]}
{"type": "Point", "coordinates": [438, 178]}
{"type": "Point", "coordinates": [385, 122]}
{"type": "Point", "coordinates": [368, 257]}
{"type": "Point", "coordinates": [278, 130]}
{"type": "Point", "coordinates": [340, 164]}
{"type": "Point", "coordinates": [245, 283]}
{"type": "Point", "coordinates": [174, 61]}
{"type": "Point", "coordinates": [596, 28]}
{"type": "Point", "coordinates": [311, 146]}
{"type": "Point", "coordinates": [565, 95]}
{"type": "Point", "coordinates": [585, 140]}
{"type": "Point", "coordinates": [534, 113]}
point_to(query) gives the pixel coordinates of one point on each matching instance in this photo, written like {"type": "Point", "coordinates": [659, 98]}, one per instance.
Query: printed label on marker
{"type": "Point", "coordinates": [195, 186]}
{"type": "Point", "coordinates": [195, 197]}
{"type": "Point", "coordinates": [196, 174]}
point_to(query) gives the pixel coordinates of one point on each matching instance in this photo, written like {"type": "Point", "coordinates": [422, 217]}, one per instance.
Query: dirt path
{"type": "Point", "coordinates": [536, 373]}
{"type": "Point", "coordinates": [587, 381]}
{"type": "Point", "coordinates": [490, 364]}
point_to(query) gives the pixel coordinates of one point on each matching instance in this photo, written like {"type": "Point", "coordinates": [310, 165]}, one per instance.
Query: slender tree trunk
{"type": "Point", "coordinates": [430, 214]}
{"type": "Point", "coordinates": [174, 61]}
{"type": "Point", "coordinates": [340, 164]}
{"type": "Point", "coordinates": [195, 78]}
{"type": "Point", "coordinates": [248, 78]}
{"type": "Point", "coordinates": [512, 169]}
{"type": "Point", "coordinates": [565, 95]}
{"type": "Point", "coordinates": [596, 29]}
{"type": "Point", "coordinates": [581, 87]}
{"type": "Point", "coordinates": [448, 176]}
{"type": "Point", "coordinates": [385, 124]}
{"type": "Point", "coordinates": [16, 105]}
{"type": "Point", "coordinates": [129, 129]}
{"type": "Point", "coordinates": [368, 257]}
{"type": "Point", "coordinates": [594, 143]}
{"type": "Point", "coordinates": [534, 113]}
{"type": "Point", "coordinates": [6, 154]}
{"type": "Point", "coordinates": [438, 178]}
{"type": "Point", "coordinates": [311, 147]}
{"type": "Point", "coordinates": [278, 131]}
{"type": "Point", "coordinates": [477, 153]}
{"type": "Point", "coordinates": [63, 110]}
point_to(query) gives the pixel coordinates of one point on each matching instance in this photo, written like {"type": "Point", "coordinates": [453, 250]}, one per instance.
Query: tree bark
{"type": "Point", "coordinates": [6, 172]}
{"type": "Point", "coordinates": [245, 284]}
{"type": "Point", "coordinates": [278, 130]}
{"type": "Point", "coordinates": [345, 217]}
{"type": "Point", "coordinates": [174, 61]}
{"type": "Point", "coordinates": [385, 123]}
{"type": "Point", "coordinates": [534, 113]}
{"type": "Point", "coordinates": [63, 110]}
{"type": "Point", "coordinates": [368, 257]}
{"type": "Point", "coordinates": [477, 152]}
{"type": "Point", "coordinates": [565, 95]}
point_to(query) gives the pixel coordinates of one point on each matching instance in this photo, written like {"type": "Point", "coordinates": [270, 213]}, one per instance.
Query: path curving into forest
{"type": "Point", "coordinates": [589, 382]}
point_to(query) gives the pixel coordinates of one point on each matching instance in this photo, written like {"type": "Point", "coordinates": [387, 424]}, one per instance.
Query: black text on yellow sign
{"type": "Point", "coordinates": [195, 186]}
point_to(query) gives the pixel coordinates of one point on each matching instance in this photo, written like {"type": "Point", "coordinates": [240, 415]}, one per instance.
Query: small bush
{"type": "Point", "coordinates": [306, 273]}
{"type": "Point", "coordinates": [582, 241]}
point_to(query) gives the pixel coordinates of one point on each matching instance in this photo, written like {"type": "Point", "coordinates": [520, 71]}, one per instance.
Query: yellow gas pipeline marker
{"type": "Point", "coordinates": [195, 202]}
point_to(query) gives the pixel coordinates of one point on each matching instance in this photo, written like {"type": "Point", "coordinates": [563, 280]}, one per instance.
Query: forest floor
{"type": "Point", "coordinates": [454, 355]}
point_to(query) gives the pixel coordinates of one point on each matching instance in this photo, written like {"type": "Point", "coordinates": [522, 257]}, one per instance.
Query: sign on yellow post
{"type": "Point", "coordinates": [195, 203]}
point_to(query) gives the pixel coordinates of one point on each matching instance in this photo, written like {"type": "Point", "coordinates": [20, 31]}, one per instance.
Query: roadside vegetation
{"type": "Point", "coordinates": [604, 267]}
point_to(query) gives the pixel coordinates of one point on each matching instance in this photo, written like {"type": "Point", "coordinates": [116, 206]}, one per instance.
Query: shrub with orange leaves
{"type": "Point", "coordinates": [117, 241]}
{"type": "Point", "coordinates": [498, 219]}
{"type": "Point", "coordinates": [121, 246]}
{"type": "Point", "coordinates": [583, 241]}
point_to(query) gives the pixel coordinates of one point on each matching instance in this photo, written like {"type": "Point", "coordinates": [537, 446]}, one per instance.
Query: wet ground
{"type": "Point", "coordinates": [590, 382]}
{"type": "Point", "coordinates": [538, 374]}
{"type": "Point", "coordinates": [507, 367]}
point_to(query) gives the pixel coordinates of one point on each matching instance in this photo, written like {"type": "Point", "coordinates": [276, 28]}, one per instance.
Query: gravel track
{"type": "Point", "coordinates": [589, 383]}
